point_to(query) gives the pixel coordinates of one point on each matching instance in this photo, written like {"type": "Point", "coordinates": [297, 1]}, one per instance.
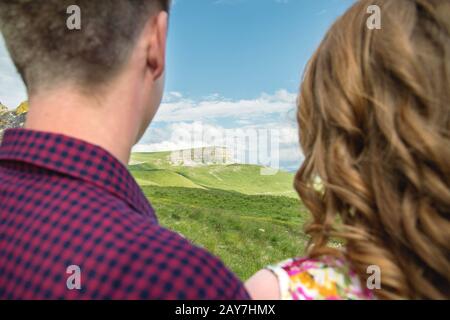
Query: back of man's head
{"type": "Point", "coordinates": [46, 51]}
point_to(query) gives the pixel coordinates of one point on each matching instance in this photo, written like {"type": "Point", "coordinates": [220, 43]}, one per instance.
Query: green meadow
{"type": "Point", "coordinates": [247, 219]}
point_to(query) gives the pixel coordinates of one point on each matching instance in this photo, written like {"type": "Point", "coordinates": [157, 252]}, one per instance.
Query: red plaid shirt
{"type": "Point", "coordinates": [65, 202]}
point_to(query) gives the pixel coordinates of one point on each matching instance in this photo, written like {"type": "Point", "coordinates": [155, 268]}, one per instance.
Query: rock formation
{"type": "Point", "coordinates": [12, 118]}
{"type": "Point", "coordinates": [201, 156]}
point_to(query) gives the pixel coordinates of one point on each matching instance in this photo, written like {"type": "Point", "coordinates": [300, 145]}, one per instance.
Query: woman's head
{"type": "Point", "coordinates": [374, 117]}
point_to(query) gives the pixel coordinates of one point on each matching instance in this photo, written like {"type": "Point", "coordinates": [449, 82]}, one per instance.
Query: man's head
{"type": "Point", "coordinates": [48, 54]}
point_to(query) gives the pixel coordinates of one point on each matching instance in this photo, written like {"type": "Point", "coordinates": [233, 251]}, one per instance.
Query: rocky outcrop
{"type": "Point", "coordinates": [22, 108]}
{"type": "Point", "coordinates": [12, 118]}
{"type": "Point", "coordinates": [3, 108]}
{"type": "Point", "coordinates": [201, 156]}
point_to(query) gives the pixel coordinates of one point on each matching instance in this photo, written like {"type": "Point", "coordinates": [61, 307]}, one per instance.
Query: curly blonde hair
{"type": "Point", "coordinates": [375, 128]}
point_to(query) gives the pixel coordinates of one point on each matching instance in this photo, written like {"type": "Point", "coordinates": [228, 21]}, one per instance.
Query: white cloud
{"type": "Point", "coordinates": [172, 96]}
{"type": "Point", "coordinates": [178, 136]}
{"type": "Point", "coordinates": [216, 107]}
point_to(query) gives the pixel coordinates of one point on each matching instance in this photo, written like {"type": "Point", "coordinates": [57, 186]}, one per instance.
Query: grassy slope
{"type": "Point", "coordinates": [247, 219]}
{"type": "Point", "coordinates": [247, 232]}
{"type": "Point", "coordinates": [163, 178]}
{"type": "Point", "coordinates": [246, 179]}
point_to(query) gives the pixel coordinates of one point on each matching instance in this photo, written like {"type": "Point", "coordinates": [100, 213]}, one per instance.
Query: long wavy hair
{"type": "Point", "coordinates": [374, 117]}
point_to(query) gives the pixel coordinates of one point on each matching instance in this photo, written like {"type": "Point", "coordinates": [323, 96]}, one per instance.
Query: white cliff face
{"type": "Point", "coordinates": [201, 156]}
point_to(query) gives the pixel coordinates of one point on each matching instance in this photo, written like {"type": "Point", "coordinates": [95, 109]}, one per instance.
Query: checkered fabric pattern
{"type": "Point", "coordinates": [65, 202]}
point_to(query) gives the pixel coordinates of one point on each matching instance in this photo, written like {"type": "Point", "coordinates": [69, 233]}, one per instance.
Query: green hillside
{"type": "Point", "coordinates": [246, 219]}
{"type": "Point", "coordinates": [163, 178]}
{"type": "Point", "coordinates": [235, 177]}
{"type": "Point", "coordinates": [155, 159]}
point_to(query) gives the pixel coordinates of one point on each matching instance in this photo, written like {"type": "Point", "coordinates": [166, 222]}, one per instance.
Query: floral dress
{"type": "Point", "coordinates": [327, 278]}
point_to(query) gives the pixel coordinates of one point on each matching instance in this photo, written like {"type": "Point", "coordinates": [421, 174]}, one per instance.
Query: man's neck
{"type": "Point", "coordinates": [108, 123]}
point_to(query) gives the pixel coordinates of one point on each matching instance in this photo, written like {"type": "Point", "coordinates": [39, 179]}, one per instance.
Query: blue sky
{"type": "Point", "coordinates": [231, 65]}
{"type": "Point", "coordinates": [240, 48]}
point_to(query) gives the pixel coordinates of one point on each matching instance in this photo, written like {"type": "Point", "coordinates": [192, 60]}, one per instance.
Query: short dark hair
{"type": "Point", "coordinates": [46, 52]}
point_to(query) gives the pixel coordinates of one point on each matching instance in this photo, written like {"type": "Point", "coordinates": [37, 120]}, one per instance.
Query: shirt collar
{"type": "Point", "coordinates": [75, 158]}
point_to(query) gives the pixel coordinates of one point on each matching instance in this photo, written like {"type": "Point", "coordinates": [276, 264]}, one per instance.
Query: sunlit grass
{"type": "Point", "coordinates": [246, 232]}
{"type": "Point", "coordinates": [247, 219]}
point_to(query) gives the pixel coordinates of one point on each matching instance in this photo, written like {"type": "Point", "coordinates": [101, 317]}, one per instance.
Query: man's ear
{"type": "Point", "coordinates": [156, 50]}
